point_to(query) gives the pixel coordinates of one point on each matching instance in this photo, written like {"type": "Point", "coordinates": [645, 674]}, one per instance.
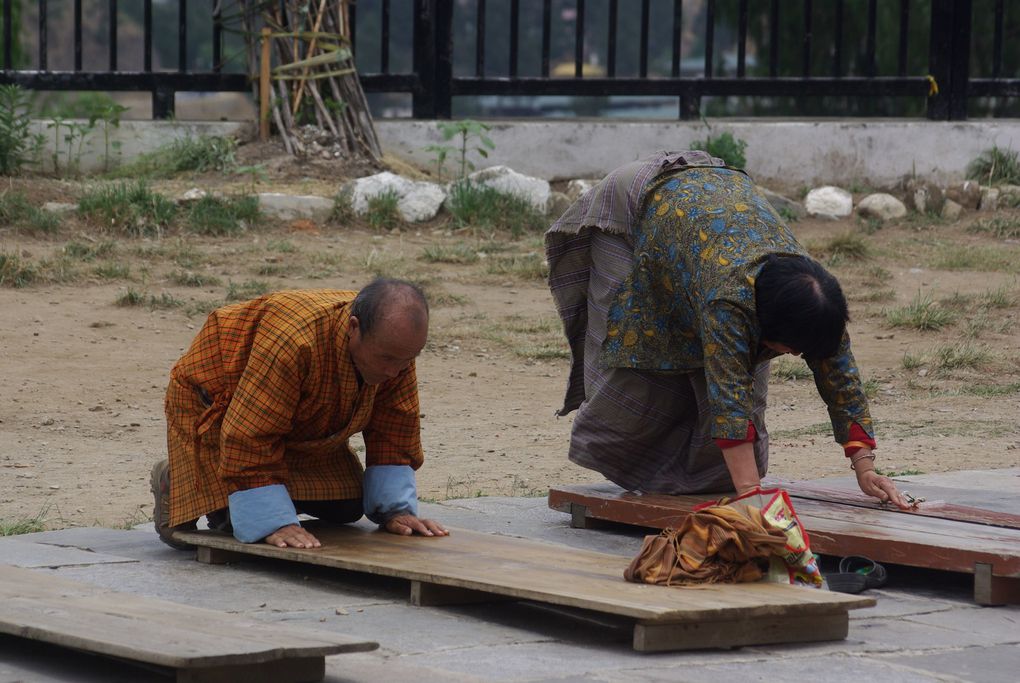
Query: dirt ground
{"type": "Point", "coordinates": [81, 415]}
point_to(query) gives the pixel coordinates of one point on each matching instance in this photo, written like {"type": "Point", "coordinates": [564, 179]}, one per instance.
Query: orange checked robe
{"type": "Point", "coordinates": [268, 394]}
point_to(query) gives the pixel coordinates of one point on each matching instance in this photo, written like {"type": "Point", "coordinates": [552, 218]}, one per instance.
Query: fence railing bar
{"type": "Point", "coordinates": [43, 18]}
{"type": "Point", "coordinates": [8, 11]}
{"type": "Point", "coordinates": [742, 39]}
{"type": "Point", "coordinates": [709, 36]}
{"type": "Point", "coordinates": [113, 35]}
{"type": "Point", "coordinates": [807, 39]}
{"type": "Point", "coordinates": [611, 47]}
{"type": "Point", "coordinates": [579, 41]}
{"type": "Point", "coordinates": [480, 39]}
{"type": "Point", "coordinates": [77, 35]}
{"type": "Point", "coordinates": [678, 32]}
{"type": "Point", "coordinates": [182, 36]}
{"type": "Point", "coordinates": [997, 39]}
{"type": "Point", "coordinates": [546, 35]}
{"type": "Point", "coordinates": [774, 39]}
{"type": "Point", "coordinates": [904, 36]}
{"type": "Point", "coordinates": [643, 59]}
{"type": "Point", "coordinates": [217, 38]}
{"type": "Point", "coordinates": [384, 39]}
{"type": "Point", "coordinates": [837, 42]}
{"type": "Point", "coordinates": [871, 48]}
{"type": "Point", "coordinates": [515, 34]}
{"type": "Point", "coordinates": [147, 39]}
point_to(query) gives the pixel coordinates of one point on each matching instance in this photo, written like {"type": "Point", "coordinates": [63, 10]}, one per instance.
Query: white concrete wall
{"type": "Point", "coordinates": [135, 137]}
{"type": "Point", "coordinates": [787, 154]}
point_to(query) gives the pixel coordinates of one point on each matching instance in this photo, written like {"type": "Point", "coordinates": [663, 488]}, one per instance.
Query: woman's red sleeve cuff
{"type": "Point", "coordinates": [752, 434]}
{"type": "Point", "coordinates": [858, 439]}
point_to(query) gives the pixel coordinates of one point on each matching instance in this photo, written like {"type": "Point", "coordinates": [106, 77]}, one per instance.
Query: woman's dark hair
{"type": "Point", "coordinates": [800, 305]}
{"type": "Point", "coordinates": [374, 300]}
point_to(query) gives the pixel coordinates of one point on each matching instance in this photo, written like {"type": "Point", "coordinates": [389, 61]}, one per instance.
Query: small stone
{"type": "Point", "coordinates": [47, 422]}
{"type": "Point", "coordinates": [829, 202]}
{"type": "Point", "coordinates": [341, 611]}
{"type": "Point", "coordinates": [951, 210]}
{"type": "Point", "coordinates": [882, 207]}
{"type": "Point", "coordinates": [989, 199]}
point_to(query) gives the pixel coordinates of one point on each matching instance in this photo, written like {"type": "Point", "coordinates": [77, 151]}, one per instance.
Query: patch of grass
{"type": "Point", "coordinates": [923, 314]}
{"type": "Point", "coordinates": [522, 266]}
{"type": "Point", "coordinates": [875, 275]}
{"type": "Point", "coordinates": [281, 246]}
{"type": "Point", "coordinates": [783, 368]}
{"type": "Point", "coordinates": [23, 525]}
{"type": "Point", "coordinates": [846, 247]}
{"type": "Point", "coordinates": [275, 269]}
{"type": "Point", "coordinates": [485, 208]}
{"type": "Point", "coordinates": [994, 166]}
{"type": "Point", "coordinates": [1003, 297]}
{"type": "Point", "coordinates": [249, 289]}
{"type": "Point", "coordinates": [875, 296]}
{"type": "Point", "coordinates": [131, 209]}
{"type": "Point", "coordinates": [991, 390]}
{"type": "Point", "coordinates": [977, 258]}
{"type": "Point", "coordinates": [16, 272]}
{"type": "Point", "coordinates": [200, 154]}
{"type": "Point", "coordinates": [1002, 227]}
{"type": "Point", "coordinates": [343, 210]}
{"type": "Point", "coordinates": [962, 355]}
{"type": "Point", "coordinates": [202, 307]}
{"type": "Point", "coordinates": [383, 213]}
{"type": "Point", "coordinates": [457, 253]}
{"type": "Point", "coordinates": [132, 298]}
{"type": "Point", "coordinates": [80, 251]}
{"type": "Point", "coordinates": [870, 388]}
{"type": "Point", "coordinates": [912, 361]}
{"type": "Point", "coordinates": [17, 212]}
{"type": "Point", "coordinates": [187, 278]}
{"type": "Point", "coordinates": [112, 270]}
{"type": "Point", "coordinates": [529, 338]}
{"type": "Point", "coordinates": [178, 251]}
{"type": "Point", "coordinates": [223, 217]}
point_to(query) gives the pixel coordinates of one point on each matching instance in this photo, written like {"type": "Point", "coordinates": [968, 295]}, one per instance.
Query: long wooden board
{"type": "Point", "coordinates": [467, 565]}
{"type": "Point", "coordinates": [200, 645]}
{"type": "Point", "coordinates": [991, 553]}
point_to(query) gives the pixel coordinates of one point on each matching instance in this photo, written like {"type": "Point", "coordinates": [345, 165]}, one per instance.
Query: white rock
{"type": "Point", "coordinates": [882, 206]}
{"type": "Point", "coordinates": [59, 207]}
{"type": "Point", "coordinates": [291, 206]}
{"type": "Point", "coordinates": [989, 199]}
{"type": "Point", "coordinates": [951, 210]}
{"type": "Point", "coordinates": [576, 188]}
{"type": "Point", "coordinates": [194, 194]}
{"type": "Point", "coordinates": [535, 191]}
{"type": "Point", "coordinates": [829, 202]}
{"type": "Point", "coordinates": [416, 200]}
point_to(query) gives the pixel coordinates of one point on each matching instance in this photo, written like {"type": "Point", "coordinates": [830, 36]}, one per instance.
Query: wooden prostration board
{"type": "Point", "coordinates": [840, 524]}
{"type": "Point", "coordinates": [469, 566]}
{"type": "Point", "coordinates": [200, 645]}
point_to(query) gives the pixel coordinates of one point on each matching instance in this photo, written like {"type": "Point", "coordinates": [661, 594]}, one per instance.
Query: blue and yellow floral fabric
{"type": "Point", "coordinates": [689, 302]}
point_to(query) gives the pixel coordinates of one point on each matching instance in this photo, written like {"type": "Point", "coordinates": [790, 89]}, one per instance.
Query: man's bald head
{"type": "Point", "coordinates": [387, 300]}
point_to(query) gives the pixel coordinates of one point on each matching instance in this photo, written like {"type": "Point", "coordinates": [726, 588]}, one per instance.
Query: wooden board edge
{"type": "Point", "coordinates": [731, 633]}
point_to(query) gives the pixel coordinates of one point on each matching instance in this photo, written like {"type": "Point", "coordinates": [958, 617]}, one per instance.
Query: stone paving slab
{"type": "Point", "coordinates": [923, 629]}
{"type": "Point", "coordinates": [21, 553]}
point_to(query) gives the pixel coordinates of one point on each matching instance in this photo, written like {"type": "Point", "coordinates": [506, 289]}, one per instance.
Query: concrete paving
{"type": "Point", "coordinates": [924, 628]}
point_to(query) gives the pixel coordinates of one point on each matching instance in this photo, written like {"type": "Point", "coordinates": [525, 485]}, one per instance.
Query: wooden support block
{"type": "Point", "coordinates": [579, 518]}
{"type": "Point", "coordinates": [218, 556]}
{"type": "Point", "coordinates": [296, 670]}
{"type": "Point", "coordinates": [424, 594]}
{"type": "Point", "coordinates": [994, 590]}
{"type": "Point", "coordinates": [697, 635]}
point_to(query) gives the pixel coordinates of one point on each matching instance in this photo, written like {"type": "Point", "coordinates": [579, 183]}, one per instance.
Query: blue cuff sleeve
{"type": "Point", "coordinates": [389, 491]}
{"type": "Point", "coordinates": [258, 512]}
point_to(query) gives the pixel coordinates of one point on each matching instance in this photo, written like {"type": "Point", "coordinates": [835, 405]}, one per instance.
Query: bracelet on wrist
{"type": "Point", "coordinates": [863, 456]}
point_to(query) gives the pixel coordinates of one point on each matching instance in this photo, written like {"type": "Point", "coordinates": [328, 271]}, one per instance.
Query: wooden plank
{"type": "Point", "coordinates": [932, 507]}
{"type": "Point", "coordinates": [530, 570]}
{"type": "Point", "coordinates": [296, 670]}
{"type": "Point", "coordinates": [836, 529]}
{"type": "Point", "coordinates": [659, 637]}
{"type": "Point", "coordinates": [50, 609]}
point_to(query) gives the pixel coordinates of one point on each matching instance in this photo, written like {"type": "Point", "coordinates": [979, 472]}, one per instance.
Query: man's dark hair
{"type": "Point", "coordinates": [800, 305]}
{"type": "Point", "coordinates": [376, 298]}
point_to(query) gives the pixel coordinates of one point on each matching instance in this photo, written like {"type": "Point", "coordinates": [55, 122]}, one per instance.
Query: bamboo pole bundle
{"type": "Point", "coordinates": [313, 86]}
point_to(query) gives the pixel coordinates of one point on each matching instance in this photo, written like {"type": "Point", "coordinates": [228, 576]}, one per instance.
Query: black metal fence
{"type": "Point", "coordinates": [436, 51]}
